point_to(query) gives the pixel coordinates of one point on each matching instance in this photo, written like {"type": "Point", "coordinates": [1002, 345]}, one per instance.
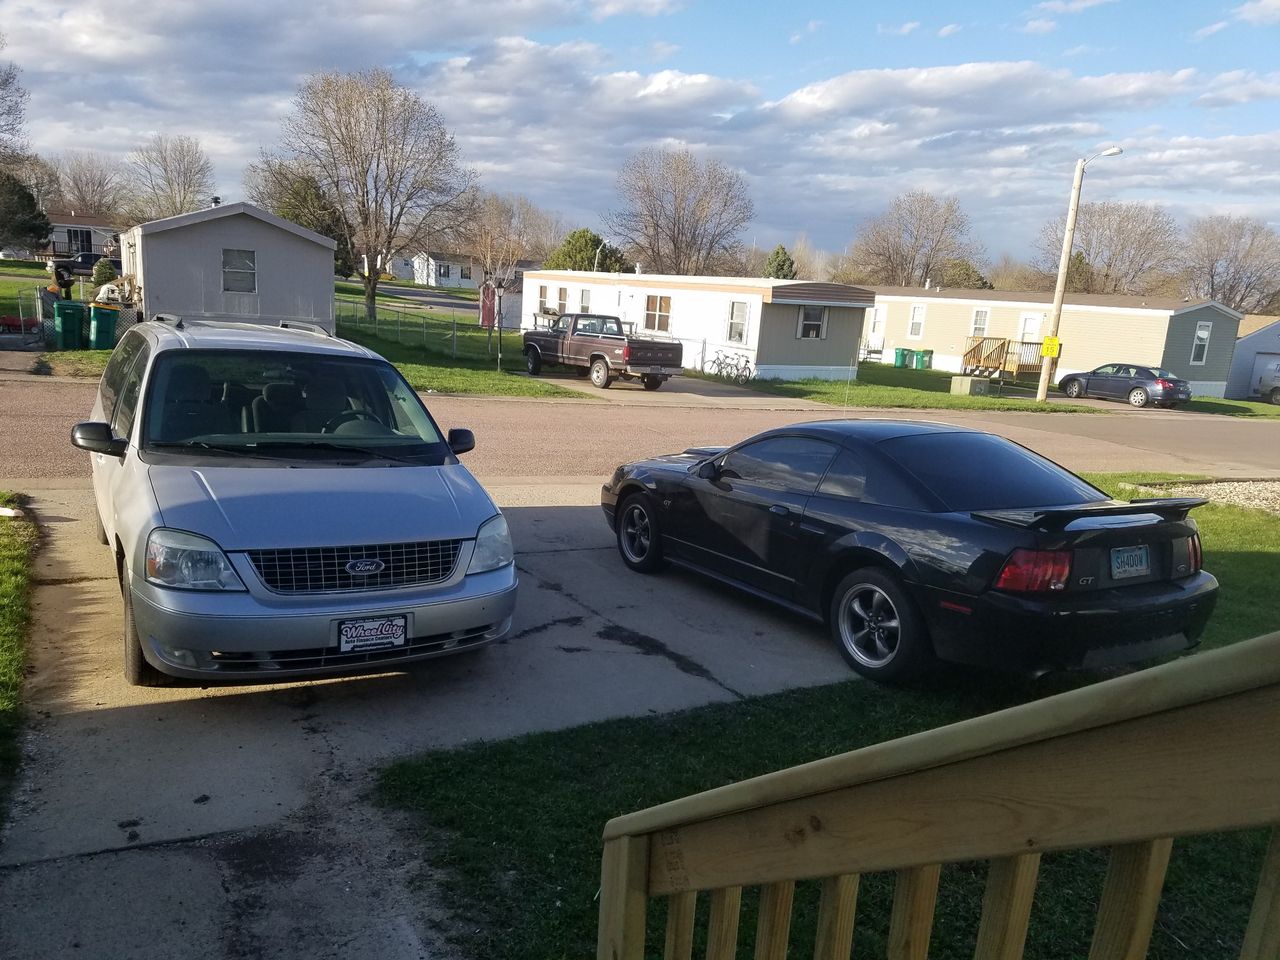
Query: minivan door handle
{"type": "Point", "coordinates": [779, 510]}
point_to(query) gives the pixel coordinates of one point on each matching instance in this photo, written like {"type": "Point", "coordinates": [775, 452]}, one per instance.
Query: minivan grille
{"type": "Point", "coordinates": [324, 569]}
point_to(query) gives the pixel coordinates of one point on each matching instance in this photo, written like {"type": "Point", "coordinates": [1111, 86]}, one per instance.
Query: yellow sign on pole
{"type": "Point", "coordinates": [1051, 347]}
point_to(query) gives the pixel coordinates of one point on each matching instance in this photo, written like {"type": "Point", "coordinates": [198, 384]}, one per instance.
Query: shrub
{"type": "Point", "coordinates": [104, 271]}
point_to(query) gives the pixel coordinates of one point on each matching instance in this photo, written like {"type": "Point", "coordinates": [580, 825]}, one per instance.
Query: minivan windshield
{"type": "Point", "coordinates": [283, 405]}
{"type": "Point", "coordinates": [980, 471]}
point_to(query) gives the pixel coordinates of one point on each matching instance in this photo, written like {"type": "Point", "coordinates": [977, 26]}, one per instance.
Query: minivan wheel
{"type": "Point", "coordinates": [1073, 389]}
{"type": "Point", "coordinates": [533, 362]}
{"type": "Point", "coordinates": [877, 627]}
{"type": "Point", "coordinates": [638, 533]}
{"type": "Point", "coordinates": [137, 671]}
{"type": "Point", "coordinates": [1138, 397]}
{"type": "Point", "coordinates": [600, 374]}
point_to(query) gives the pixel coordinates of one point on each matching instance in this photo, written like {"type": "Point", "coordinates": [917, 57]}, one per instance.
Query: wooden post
{"type": "Point", "coordinates": [680, 909]}
{"type": "Point", "coordinates": [623, 897]}
{"type": "Point", "coordinates": [1006, 907]}
{"type": "Point", "coordinates": [912, 919]}
{"type": "Point", "coordinates": [722, 926]}
{"type": "Point", "coordinates": [835, 918]}
{"type": "Point", "coordinates": [773, 930]}
{"type": "Point", "coordinates": [1262, 938]}
{"type": "Point", "coordinates": [1129, 900]}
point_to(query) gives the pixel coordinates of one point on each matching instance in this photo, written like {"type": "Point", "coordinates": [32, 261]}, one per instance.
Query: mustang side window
{"type": "Point", "coordinates": [787, 463]}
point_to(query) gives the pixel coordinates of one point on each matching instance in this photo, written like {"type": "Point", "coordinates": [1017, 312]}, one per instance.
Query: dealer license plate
{"type": "Point", "coordinates": [372, 633]}
{"type": "Point", "coordinates": [1129, 562]}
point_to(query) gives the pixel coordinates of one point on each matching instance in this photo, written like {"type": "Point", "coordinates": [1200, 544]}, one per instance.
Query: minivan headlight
{"type": "Point", "coordinates": [493, 546]}
{"type": "Point", "coordinates": [189, 562]}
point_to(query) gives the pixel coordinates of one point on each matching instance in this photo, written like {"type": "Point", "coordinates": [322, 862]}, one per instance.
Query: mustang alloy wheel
{"type": "Point", "coordinates": [638, 534]}
{"type": "Point", "coordinates": [877, 627]}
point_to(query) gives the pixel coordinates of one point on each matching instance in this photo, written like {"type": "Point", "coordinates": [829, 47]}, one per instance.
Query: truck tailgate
{"type": "Point", "coordinates": [656, 353]}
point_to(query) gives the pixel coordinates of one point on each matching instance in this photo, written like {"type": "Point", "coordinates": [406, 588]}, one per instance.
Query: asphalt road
{"type": "Point", "coordinates": [236, 821]}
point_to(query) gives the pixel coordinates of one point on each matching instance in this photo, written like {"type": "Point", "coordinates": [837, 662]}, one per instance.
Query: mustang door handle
{"type": "Point", "coordinates": [779, 510]}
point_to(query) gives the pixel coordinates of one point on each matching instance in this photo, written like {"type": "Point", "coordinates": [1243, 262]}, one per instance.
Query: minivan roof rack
{"type": "Point", "coordinates": [307, 325]}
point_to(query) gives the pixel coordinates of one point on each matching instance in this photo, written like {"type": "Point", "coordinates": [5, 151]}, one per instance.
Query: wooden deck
{"type": "Point", "coordinates": [1187, 748]}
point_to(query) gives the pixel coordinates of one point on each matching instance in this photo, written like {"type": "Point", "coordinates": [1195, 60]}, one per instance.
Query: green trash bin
{"type": "Point", "coordinates": [924, 360]}
{"type": "Point", "coordinates": [102, 327]}
{"type": "Point", "coordinates": [900, 356]}
{"type": "Point", "coordinates": [68, 319]}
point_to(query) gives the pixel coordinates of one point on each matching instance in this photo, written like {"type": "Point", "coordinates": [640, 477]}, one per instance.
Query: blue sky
{"type": "Point", "coordinates": [828, 109]}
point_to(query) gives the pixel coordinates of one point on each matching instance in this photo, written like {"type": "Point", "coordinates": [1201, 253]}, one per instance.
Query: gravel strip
{"type": "Point", "coordinates": [1261, 494]}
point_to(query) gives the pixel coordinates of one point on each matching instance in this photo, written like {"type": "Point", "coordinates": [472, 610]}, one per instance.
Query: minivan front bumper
{"type": "Point", "coordinates": [203, 635]}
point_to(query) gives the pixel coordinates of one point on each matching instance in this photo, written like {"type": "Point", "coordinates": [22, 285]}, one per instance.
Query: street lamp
{"type": "Point", "coordinates": [1047, 363]}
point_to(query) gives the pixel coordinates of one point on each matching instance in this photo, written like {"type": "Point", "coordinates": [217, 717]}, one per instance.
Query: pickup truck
{"type": "Point", "coordinates": [598, 344]}
{"type": "Point", "coordinates": [81, 265]}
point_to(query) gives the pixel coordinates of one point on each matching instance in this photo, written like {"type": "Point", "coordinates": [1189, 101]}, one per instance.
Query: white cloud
{"type": "Point", "coordinates": [1039, 25]}
{"type": "Point", "coordinates": [900, 30]}
{"type": "Point", "coordinates": [811, 27]}
{"type": "Point", "coordinates": [1210, 30]}
{"type": "Point", "coordinates": [661, 50]}
{"type": "Point", "coordinates": [604, 9]}
{"type": "Point", "coordinates": [1240, 87]}
{"type": "Point", "coordinates": [1259, 11]}
{"type": "Point", "coordinates": [950, 29]}
{"type": "Point", "coordinates": [1070, 6]}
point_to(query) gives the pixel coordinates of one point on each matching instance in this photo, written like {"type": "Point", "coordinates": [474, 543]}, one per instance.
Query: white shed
{"type": "Point", "coordinates": [1257, 350]}
{"type": "Point", "coordinates": [785, 329]}
{"type": "Point", "coordinates": [232, 262]}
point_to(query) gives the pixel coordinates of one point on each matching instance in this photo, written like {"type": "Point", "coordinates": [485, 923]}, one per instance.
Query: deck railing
{"type": "Point", "coordinates": [1187, 748]}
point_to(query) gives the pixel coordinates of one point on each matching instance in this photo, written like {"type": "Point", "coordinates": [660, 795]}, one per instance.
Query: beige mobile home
{"type": "Point", "coordinates": [234, 262]}
{"type": "Point", "coordinates": [785, 329]}
{"type": "Point", "coordinates": [985, 330]}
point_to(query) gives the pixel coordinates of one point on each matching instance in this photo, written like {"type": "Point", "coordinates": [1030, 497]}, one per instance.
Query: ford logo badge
{"type": "Point", "coordinates": [365, 568]}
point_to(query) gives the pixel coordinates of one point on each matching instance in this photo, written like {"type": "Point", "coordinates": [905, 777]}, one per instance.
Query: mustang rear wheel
{"type": "Point", "coordinates": [877, 626]}
{"type": "Point", "coordinates": [639, 540]}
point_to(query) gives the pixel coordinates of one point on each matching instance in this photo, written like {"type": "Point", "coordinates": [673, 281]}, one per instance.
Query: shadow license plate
{"type": "Point", "coordinates": [1129, 562]}
{"type": "Point", "coordinates": [372, 633]}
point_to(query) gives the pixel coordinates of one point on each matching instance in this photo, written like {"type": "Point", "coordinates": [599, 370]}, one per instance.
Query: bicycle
{"type": "Point", "coordinates": [733, 367]}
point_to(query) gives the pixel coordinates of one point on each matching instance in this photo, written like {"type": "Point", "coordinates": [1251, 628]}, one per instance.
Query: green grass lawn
{"type": "Point", "coordinates": [1233, 408]}
{"type": "Point", "coordinates": [462, 293]}
{"type": "Point", "coordinates": [24, 268]}
{"type": "Point", "coordinates": [516, 824]}
{"type": "Point", "coordinates": [11, 285]}
{"type": "Point", "coordinates": [17, 543]}
{"type": "Point", "coordinates": [882, 385]}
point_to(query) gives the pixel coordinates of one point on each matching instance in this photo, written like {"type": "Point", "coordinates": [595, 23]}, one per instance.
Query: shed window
{"type": "Point", "coordinates": [915, 328]}
{"type": "Point", "coordinates": [737, 332]}
{"type": "Point", "coordinates": [1200, 345]}
{"type": "Point", "coordinates": [812, 323]}
{"type": "Point", "coordinates": [657, 313]}
{"type": "Point", "coordinates": [239, 271]}
{"type": "Point", "coordinates": [980, 317]}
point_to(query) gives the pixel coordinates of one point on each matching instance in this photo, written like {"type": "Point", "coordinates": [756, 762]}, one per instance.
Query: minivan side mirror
{"type": "Point", "coordinates": [98, 438]}
{"type": "Point", "coordinates": [460, 441]}
{"type": "Point", "coordinates": [708, 470]}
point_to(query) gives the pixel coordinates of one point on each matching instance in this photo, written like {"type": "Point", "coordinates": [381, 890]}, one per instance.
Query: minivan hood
{"type": "Point", "coordinates": [244, 508]}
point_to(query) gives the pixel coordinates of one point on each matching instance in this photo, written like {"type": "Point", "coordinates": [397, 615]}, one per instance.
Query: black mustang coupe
{"type": "Point", "coordinates": [921, 541]}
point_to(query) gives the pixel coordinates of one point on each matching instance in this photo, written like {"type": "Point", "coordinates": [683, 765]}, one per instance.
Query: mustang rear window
{"type": "Point", "coordinates": [978, 471]}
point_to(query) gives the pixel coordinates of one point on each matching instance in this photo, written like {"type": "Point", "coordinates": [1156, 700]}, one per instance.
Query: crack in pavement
{"type": "Point", "coordinates": [65, 581]}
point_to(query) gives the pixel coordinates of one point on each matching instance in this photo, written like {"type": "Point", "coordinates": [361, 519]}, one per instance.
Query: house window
{"type": "Point", "coordinates": [542, 299]}
{"type": "Point", "coordinates": [584, 301]}
{"type": "Point", "coordinates": [737, 332]}
{"type": "Point", "coordinates": [657, 313]}
{"type": "Point", "coordinates": [1200, 345]}
{"type": "Point", "coordinates": [564, 299]}
{"type": "Point", "coordinates": [915, 328]}
{"type": "Point", "coordinates": [980, 317]}
{"type": "Point", "coordinates": [812, 324]}
{"type": "Point", "coordinates": [239, 271]}
{"type": "Point", "coordinates": [79, 241]}
{"type": "Point", "coordinates": [442, 271]}
{"type": "Point", "coordinates": [464, 273]}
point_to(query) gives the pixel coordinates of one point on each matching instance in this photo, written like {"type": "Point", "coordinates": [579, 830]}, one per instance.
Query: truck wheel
{"type": "Point", "coordinates": [652, 381]}
{"type": "Point", "coordinates": [533, 362]}
{"type": "Point", "coordinates": [600, 374]}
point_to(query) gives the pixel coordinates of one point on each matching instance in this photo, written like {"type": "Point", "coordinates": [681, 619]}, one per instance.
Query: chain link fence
{"type": "Point", "coordinates": [42, 309]}
{"type": "Point", "coordinates": [452, 333]}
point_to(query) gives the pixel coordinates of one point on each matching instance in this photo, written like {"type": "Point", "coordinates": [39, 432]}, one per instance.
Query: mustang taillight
{"type": "Point", "coordinates": [1035, 571]}
{"type": "Point", "coordinates": [1195, 553]}
{"type": "Point", "coordinates": [626, 353]}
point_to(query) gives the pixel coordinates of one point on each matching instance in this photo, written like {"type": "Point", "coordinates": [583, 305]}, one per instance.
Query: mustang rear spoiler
{"type": "Point", "coordinates": [705, 451]}
{"type": "Point", "coordinates": [1056, 518]}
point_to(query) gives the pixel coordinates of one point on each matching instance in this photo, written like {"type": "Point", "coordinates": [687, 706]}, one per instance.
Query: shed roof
{"type": "Point", "coordinates": [1253, 322]}
{"type": "Point", "coordinates": [1169, 304]}
{"type": "Point", "coordinates": [231, 210]}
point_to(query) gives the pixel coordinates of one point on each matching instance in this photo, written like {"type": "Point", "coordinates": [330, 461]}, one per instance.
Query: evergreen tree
{"type": "Point", "coordinates": [780, 266]}
{"type": "Point", "coordinates": [22, 223]}
{"type": "Point", "coordinates": [578, 252]}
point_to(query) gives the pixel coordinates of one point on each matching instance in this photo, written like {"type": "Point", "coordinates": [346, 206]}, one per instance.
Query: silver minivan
{"type": "Point", "coordinates": [281, 504]}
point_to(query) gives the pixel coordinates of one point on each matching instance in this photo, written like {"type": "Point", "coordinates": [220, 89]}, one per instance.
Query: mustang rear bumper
{"type": "Point", "coordinates": [1038, 635]}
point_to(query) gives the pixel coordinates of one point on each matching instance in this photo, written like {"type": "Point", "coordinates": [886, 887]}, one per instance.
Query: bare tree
{"type": "Point", "coordinates": [93, 183]}
{"type": "Point", "coordinates": [1128, 247]}
{"type": "Point", "coordinates": [1234, 260]}
{"type": "Point", "coordinates": [811, 263]}
{"type": "Point", "coordinates": [1010, 274]}
{"type": "Point", "coordinates": [168, 176]}
{"type": "Point", "coordinates": [288, 190]}
{"type": "Point", "coordinates": [385, 157]}
{"type": "Point", "coordinates": [909, 243]}
{"type": "Point", "coordinates": [41, 178]}
{"type": "Point", "coordinates": [503, 230]}
{"type": "Point", "coordinates": [13, 110]}
{"type": "Point", "coordinates": [680, 215]}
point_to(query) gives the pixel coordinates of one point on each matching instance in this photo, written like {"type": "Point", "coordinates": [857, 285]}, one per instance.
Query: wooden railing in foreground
{"type": "Point", "coordinates": [1186, 748]}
